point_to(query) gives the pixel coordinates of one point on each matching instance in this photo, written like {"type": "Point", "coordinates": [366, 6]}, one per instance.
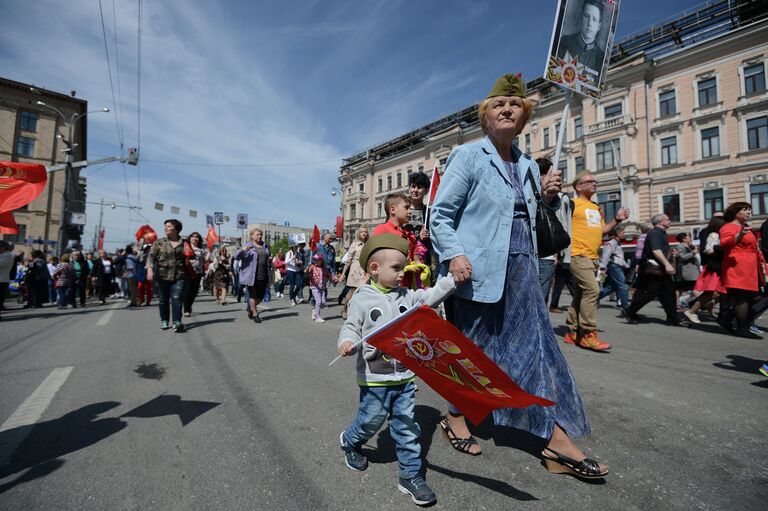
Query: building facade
{"type": "Point", "coordinates": [31, 133]}
{"type": "Point", "coordinates": [681, 128]}
{"type": "Point", "coordinates": [273, 232]}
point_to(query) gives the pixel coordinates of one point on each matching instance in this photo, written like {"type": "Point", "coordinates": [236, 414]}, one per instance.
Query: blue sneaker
{"type": "Point", "coordinates": [352, 456]}
{"type": "Point", "coordinates": [420, 492]}
{"type": "Point", "coordinates": [764, 369]}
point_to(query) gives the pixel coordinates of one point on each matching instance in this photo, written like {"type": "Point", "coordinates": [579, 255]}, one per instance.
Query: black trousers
{"type": "Point", "coordinates": [189, 293]}
{"type": "Point", "coordinates": [650, 288]}
{"type": "Point", "coordinates": [563, 278]}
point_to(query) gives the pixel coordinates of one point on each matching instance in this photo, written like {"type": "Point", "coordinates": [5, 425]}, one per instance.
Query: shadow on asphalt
{"type": "Point", "coordinates": [198, 324]}
{"type": "Point", "coordinates": [47, 441]}
{"type": "Point", "coordinates": [168, 404]}
{"type": "Point", "coordinates": [58, 313]}
{"type": "Point", "coordinates": [265, 317]}
{"type": "Point", "coordinates": [741, 364]}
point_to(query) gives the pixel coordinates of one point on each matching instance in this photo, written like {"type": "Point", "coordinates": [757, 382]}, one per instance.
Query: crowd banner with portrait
{"type": "Point", "coordinates": [580, 50]}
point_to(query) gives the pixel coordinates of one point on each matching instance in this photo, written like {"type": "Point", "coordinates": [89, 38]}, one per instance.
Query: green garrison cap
{"type": "Point", "coordinates": [384, 240]}
{"type": "Point", "coordinates": [508, 85]}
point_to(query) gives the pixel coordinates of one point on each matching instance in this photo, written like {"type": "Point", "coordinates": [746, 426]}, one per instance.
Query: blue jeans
{"type": "Point", "coordinates": [295, 282]}
{"type": "Point", "coordinates": [65, 295]}
{"type": "Point", "coordinates": [52, 293]}
{"type": "Point", "coordinates": [615, 281]}
{"type": "Point", "coordinates": [169, 293]}
{"type": "Point", "coordinates": [546, 274]}
{"type": "Point", "coordinates": [397, 401]}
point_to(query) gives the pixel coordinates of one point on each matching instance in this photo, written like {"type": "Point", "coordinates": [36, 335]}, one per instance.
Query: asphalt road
{"type": "Point", "coordinates": [100, 409]}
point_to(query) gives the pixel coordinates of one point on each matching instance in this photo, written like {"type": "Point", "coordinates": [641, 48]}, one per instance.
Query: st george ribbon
{"type": "Point", "coordinates": [20, 184]}
{"type": "Point", "coordinates": [450, 363]}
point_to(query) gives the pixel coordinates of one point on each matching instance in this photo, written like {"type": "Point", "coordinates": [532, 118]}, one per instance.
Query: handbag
{"type": "Point", "coordinates": [551, 236]}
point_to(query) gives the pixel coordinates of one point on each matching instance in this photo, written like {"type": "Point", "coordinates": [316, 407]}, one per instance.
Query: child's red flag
{"type": "Point", "coordinates": [433, 185]}
{"type": "Point", "coordinates": [451, 364]}
{"type": "Point", "coordinates": [315, 239]}
{"type": "Point", "coordinates": [211, 238]}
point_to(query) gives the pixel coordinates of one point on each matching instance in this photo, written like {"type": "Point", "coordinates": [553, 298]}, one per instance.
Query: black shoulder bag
{"type": "Point", "coordinates": [551, 236]}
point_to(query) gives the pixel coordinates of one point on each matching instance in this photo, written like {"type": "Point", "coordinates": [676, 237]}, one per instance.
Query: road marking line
{"type": "Point", "coordinates": [106, 317]}
{"type": "Point", "coordinates": [30, 412]}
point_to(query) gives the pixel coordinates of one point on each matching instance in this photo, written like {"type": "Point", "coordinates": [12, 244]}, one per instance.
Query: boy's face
{"type": "Point", "coordinates": [400, 212]}
{"type": "Point", "coordinates": [386, 268]}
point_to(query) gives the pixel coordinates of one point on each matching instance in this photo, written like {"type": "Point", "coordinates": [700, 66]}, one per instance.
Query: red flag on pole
{"type": "Point", "coordinates": [100, 246]}
{"type": "Point", "coordinates": [339, 226]}
{"type": "Point", "coordinates": [434, 183]}
{"type": "Point", "coordinates": [20, 183]}
{"type": "Point", "coordinates": [211, 238]}
{"type": "Point", "coordinates": [315, 239]}
{"type": "Point", "coordinates": [451, 364]}
{"type": "Point", "coordinates": [147, 233]}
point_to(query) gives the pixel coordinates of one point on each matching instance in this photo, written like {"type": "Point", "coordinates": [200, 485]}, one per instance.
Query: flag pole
{"type": "Point", "coordinates": [561, 131]}
{"type": "Point", "coordinates": [429, 196]}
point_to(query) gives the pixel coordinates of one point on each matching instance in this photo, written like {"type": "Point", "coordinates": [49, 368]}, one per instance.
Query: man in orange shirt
{"type": "Point", "coordinates": [588, 227]}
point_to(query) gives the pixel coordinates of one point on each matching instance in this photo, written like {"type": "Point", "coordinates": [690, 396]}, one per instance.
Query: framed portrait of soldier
{"type": "Point", "coordinates": [580, 49]}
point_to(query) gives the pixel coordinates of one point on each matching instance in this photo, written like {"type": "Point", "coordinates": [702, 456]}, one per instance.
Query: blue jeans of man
{"type": "Point", "coordinates": [397, 402]}
{"type": "Point", "coordinates": [169, 292]}
{"type": "Point", "coordinates": [615, 281]}
{"type": "Point", "coordinates": [546, 274]}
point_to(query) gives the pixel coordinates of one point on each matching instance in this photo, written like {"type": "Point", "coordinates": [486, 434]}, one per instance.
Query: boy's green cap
{"type": "Point", "coordinates": [508, 85]}
{"type": "Point", "coordinates": [384, 240]}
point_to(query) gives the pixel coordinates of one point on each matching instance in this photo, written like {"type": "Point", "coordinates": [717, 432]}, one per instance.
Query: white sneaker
{"type": "Point", "coordinates": [314, 316]}
{"type": "Point", "coordinates": [694, 318]}
{"type": "Point", "coordinates": [319, 320]}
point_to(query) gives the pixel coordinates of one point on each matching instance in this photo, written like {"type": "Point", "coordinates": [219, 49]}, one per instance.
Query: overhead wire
{"type": "Point", "coordinates": [109, 69]}
{"type": "Point", "coordinates": [138, 127]}
{"type": "Point", "coordinates": [244, 165]}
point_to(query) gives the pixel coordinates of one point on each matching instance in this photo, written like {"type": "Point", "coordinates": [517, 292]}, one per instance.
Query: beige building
{"type": "Point", "coordinates": [683, 120]}
{"type": "Point", "coordinates": [28, 133]}
{"type": "Point", "coordinates": [274, 232]}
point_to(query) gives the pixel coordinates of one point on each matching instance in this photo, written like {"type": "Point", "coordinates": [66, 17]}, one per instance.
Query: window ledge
{"type": "Point", "coordinates": [750, 152]}
{"type": "Point", "coordinates": [711, 159]}
{"type": "Point", "coordinates": [672, 166]}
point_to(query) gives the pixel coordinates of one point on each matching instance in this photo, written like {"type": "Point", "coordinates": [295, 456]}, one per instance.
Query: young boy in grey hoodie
{"type": "Point", "coordinates": [386, 386]}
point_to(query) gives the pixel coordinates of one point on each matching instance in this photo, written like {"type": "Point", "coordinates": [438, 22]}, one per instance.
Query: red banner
{"type": "Point", "coordinates": [339, 227]}
{"type": "Point", "coordinates": [20, 184]}
{"type": "Point", "coordinates": [101, 240]}
{"type": "Point", "coordinates": [451, 364]}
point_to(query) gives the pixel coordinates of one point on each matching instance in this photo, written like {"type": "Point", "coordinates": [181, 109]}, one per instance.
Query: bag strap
{"type": "Point", "coordinates": [529, 177]}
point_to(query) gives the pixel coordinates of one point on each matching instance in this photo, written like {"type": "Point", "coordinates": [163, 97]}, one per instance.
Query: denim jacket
{"type": "Point", "coordinates": [473, 212]}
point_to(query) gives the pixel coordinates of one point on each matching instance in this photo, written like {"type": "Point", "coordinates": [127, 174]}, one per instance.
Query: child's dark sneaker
{"type": "Point", "coordinates": [352, 456]}
{"type": "Point", "coordinates": [420, 492]}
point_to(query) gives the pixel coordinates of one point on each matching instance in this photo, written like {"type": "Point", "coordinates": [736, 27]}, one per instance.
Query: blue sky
{"type": "Point", "coordinates": [289, 88]}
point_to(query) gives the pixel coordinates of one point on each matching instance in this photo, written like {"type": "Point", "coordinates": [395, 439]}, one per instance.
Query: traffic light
{"type": "Point", "coordinates": [133, 156]}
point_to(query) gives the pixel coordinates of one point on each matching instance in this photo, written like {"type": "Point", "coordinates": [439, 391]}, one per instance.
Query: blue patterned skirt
{"type": "Point", "coordinates": [516, 334]}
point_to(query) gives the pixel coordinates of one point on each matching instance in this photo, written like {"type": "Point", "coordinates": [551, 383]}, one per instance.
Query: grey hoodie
{"type": "Point", "coordinates": [369, 309]}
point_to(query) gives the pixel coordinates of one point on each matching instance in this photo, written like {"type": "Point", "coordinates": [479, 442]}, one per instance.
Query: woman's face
{"type": "Point", "coordinates": [363, 235]}
{"type": "Point", "coordinates": [744, 215]}
{"type": "Point", "coordinates": [170, 229]}
{"type": "Point", "coordinates": [504, 117]}
{"type": "Point", "coordinates": [257, 236]}
{"type": "Point", "coordinates": [196, 240]}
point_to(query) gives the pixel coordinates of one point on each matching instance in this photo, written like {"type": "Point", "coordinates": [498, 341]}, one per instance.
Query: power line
{"type": "Point", "coordinates": [244, 165]}
{"type": "Point", "coordinates": [138, 127]}
{"type": "Point", "coordinates": [111, 84]}
{"type": "Point", "coordinates": [119, 90]}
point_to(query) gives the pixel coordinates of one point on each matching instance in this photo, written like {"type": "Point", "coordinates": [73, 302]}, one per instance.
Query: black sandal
{"type": "Point", "coordinates": [460, 444]}
{"type": "Point", "coordinates": [561, 464]}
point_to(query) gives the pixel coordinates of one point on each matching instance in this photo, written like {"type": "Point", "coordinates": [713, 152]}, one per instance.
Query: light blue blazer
{"type": "Point", "coordinates": [472, 215]}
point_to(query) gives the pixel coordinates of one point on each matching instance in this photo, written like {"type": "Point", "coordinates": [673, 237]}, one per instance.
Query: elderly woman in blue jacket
{"type": "Point", "coordinates": [483, 228]}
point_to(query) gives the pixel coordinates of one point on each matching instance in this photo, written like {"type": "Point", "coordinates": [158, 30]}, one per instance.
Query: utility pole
{"type": "Point", "coordinates": [65, 193]}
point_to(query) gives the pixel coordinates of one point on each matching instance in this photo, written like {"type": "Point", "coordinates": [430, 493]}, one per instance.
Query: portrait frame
{"type": "Point", "coordinates": [579, 54]}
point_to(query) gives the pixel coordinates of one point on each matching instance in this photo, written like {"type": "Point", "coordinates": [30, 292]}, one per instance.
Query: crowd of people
{"type": "Point", "coordinates": [474, 252]}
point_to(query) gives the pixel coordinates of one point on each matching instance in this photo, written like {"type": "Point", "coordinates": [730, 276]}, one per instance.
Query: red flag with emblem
{"type": "Point", "coordinates": [451, 364]}
{"type": "Point", "coordinates": [100, 246]}
{"type": "Point", "coordinates": [315, 239]}
{"type": "Point", "coordinates": [20, 184]}
{"type": "Point", "coordinates": [211, 238]}
{"type": "Point", "coordinates": [147, 233]}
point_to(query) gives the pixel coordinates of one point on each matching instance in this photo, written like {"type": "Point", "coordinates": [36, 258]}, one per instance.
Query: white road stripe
{"type": "Point", "coordinates": [106, 317]}
{"type": "Point", "coordinates": [30, 412]}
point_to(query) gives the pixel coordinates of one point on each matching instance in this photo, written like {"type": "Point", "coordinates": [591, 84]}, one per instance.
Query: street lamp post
{"type": "Point", "coordinates": [70, 159]}
{"type": "Point", "coordinates": [337, 191]}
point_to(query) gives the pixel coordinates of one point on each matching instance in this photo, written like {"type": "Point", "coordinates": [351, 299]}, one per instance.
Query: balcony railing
{"type": "Point", "coordinates": [357, 197]}
{"type": "Point", "coordinates": [609, 124]}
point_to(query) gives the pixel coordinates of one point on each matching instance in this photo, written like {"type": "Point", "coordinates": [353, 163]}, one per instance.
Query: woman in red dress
{"type": "Point", "coordinates": [743, 270]}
